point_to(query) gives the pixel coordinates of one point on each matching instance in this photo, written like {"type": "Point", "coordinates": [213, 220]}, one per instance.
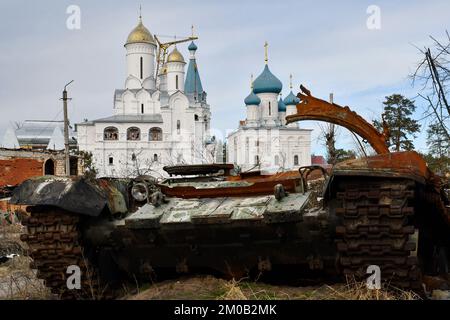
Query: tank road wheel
{"type": "Point", "coordinates": [375, 228]}
{"type": "Point", "coordinates": [54, 244]}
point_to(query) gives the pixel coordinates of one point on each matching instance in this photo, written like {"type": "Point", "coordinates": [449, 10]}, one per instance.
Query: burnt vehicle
{"type": "Point", "coordinates": [387, 210]}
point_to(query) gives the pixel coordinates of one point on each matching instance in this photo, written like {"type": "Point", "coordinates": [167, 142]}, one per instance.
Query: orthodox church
{"type": "Point", "coordinates": [161, 116]}
{"type": "Point", "coordinates": [264, 140]}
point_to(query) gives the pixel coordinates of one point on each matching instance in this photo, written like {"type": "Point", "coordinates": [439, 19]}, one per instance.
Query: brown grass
{"type": "Point", "coordinates": [207, 287]}
{"type": "Point", "coordinates": [17, 280]}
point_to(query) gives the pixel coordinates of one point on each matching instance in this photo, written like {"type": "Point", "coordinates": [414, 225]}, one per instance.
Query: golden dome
{"type": "Point", "coordinates": [175, 56]}
{"type": "Point", "coordinates": [140, 34]}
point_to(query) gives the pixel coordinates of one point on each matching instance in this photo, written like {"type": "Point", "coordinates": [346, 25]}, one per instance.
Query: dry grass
{"type": "Point", "coordinates": [207, 287]}
{"type": "Point", "coordinates": [357, 290]}
{"type": "Point", "coordinates": [352, 290]}
{"type": "Point", "coordinates": [17, 280]}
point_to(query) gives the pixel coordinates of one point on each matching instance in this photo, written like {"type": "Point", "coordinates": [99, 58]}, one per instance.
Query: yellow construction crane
{"type": "Point", "coordinates": [163, 48]}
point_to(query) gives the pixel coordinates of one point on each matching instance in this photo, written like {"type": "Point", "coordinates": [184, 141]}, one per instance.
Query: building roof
{"type": "Point", "coordinates": [266, 82]}
{"type": "Point", "coordinates": [9, 140]}
{"type": "Point", "coordinates": [318, 160]}
{"type": "Point", "coordinates": [192, 46]}
{"type": "Point", "coordinates": [291, 99]}
{"type": "Point", "coordinates": [193, 84]}
{"type": "Point", "coordinates": [140, 34]}
{"type": "Point", "coordinates": [281, 106]}
{"type": "Point", "coordinates": [118, 93]}
{"type": "Point", "coordinates": [57, 140]}
{"type": "Point", "coordinates": [252, 99]}
{"type": "Point", "coordinates": [37, 132]}
{"type": "Point", "coordinates": [175, 56]}
{"type": "Point", "coordinates": [131, 118]}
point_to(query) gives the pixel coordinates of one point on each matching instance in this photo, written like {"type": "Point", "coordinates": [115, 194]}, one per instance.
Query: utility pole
{"type": "Point", "coordinates": [66, 130]}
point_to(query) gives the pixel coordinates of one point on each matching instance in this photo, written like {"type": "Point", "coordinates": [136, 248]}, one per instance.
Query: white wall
{"type": "Point", "coordinates": [133, 56]}
{"type": "Point", "coordinates": [266, 144]}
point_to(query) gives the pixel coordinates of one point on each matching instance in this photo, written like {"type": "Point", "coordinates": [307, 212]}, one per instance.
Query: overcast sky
{"type": "Point", "coordinates": [326, 45]}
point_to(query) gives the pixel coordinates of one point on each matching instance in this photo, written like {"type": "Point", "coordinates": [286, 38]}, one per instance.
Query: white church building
{"type": "Point", "coordinates": [264, 140]}
{"type": "Point", "coordinates": [157, 120]}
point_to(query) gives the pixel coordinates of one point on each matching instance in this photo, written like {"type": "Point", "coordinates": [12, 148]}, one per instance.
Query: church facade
{"type": "Point", "coordinates": [263, 140]}
{"type": "Point", "coordinates": [158, 119]}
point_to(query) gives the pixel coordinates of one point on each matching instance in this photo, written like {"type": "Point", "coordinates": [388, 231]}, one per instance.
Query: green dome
{"type": "Point", "coordinates": [291, 99]}
{"type": "Point", "coordinates": [281, 106]}
{"type": "Point", "coordinates": [267, 82]}
{"type": "Point", "coordinates": [252, 99]}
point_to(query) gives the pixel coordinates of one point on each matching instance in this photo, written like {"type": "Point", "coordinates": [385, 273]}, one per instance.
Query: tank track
{"type": "Point", "coordinates": [376, 228]}
{"type": "Point", "coordinates": [54, 244]}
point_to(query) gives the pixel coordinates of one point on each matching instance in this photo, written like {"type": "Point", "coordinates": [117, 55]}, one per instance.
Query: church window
{"type": "Point", "coordinates": [111, 161]}
{"type": "Point", "coordinates": [133, 134]}
{"type": "Point", "coordinates": [142, 68]}
{"type": "Point", "coordinates": [155, 157]}
{"type": "Point", "coordinates": [111, 133]}
{"type": "Point", "coordinates": [155, 134]}
{"type": "Point", "coordinates": [142, 108]}
{"type": "Point", "coordinates": [196, 117]}
{"type": "Point", "coordinates": [270, 108]}
{"type": "Point", "coordinates": [296, 160]}
{"type": "Point", "coordinates": [176, 82]}
{"type": "Point", "coordinates": [178, 126]}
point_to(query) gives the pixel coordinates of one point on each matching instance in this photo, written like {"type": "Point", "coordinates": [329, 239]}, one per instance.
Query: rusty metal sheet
{"type": "Point", "coordinates": [407, 164]}
{"type": "Point", "coordinates": [311, 108]}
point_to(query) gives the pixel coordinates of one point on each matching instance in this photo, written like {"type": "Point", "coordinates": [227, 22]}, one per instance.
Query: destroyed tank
{"type": "Point", "coordinates": [387, 210]}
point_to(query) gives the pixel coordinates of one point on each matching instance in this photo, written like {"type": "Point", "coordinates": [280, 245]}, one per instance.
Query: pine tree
{"type": "Point", "coordinates": [397, 116]}
{"type": "Point", "coordinates": [438, 157]}
{"type": "Point", "coordinates": [438, 143]}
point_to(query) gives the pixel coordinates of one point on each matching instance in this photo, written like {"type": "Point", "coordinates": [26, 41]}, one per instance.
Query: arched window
{"type": "Point", "coordinates": [155, 134]}
{"type": "Point", "coordinates": [270, 108]}
{"type": "Point", "coordinates": [49, 167]}
{"type": "Point", "coordinates": [142, 68]}
{"type": "Point", "coordinates": [133, 134]}
{"type": "Point", "coordinates": [196, 117]}
{"type": "Point", "coordinates": [111, 133]}
{"type": "Point", "coordinates": [142, 108]}
{"type": "Point", "coordinates": [155, 157]}
{"type": "Point", "coordinates": [277, 160]}
{"type": "Point", "coordinates": [176, 82]}
{"type": "Point", "coordinates": [296, 160]}
{"type": "Point", "coordinates": [256, 160]}
{"type": "Point", "coordinates": [178, 126]}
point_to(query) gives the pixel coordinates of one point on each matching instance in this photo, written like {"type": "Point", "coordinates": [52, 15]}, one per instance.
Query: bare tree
{"type": "Point", "coordinates": [433, 74]}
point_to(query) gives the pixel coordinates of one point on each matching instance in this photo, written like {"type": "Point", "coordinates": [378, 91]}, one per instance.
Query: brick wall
{"type": "Point", "coordinates": [17, 166]}
{"type": "Point", "coordinates": [16, 170]}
